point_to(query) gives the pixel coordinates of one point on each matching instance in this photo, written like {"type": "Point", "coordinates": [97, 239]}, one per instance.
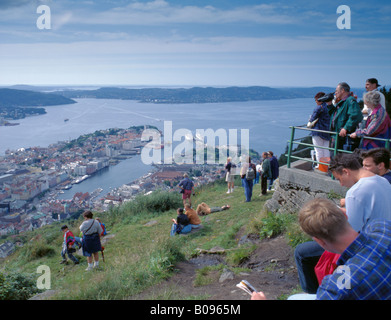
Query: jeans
{"type": "Point", "coordinates": [248, 188]}
{"type": "Point", "coordinates": [70, 255]}
{"type": "Point", "coordinates": [256, 180]}
{"type": "Point", "coordinates": [185, 229]}
{"type": "Point", "coordinates": [307, 256]}
{"type": "Point", "coordinates": [271, 180]}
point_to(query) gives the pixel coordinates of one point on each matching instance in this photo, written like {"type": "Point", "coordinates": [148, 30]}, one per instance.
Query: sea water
{"type": "Point", "coordinates": [268, 122]}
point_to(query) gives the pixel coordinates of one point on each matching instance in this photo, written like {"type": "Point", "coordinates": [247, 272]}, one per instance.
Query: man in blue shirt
{"type": "Point", "coordinates": [187, 188]}
{"type": "Point", "coordinates": [368, 198]}
{"type": "Point", "coordinates": [364, 267]}
{"type": "Point", "coordinates": [377, 161]}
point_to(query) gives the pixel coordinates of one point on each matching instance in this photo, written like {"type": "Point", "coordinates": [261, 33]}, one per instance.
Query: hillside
{"type": "Point", "coordinates": [195, 94]}
{"type": "Point", "coordinates": [143, 262]}
{"type": "Point", "coordinates": [25, 98]}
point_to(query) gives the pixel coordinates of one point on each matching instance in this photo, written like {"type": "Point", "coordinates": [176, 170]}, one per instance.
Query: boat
{"type": "Point", "coordinates": [65, 120]}
{"type": "Point", "coordinates": [81, 179]}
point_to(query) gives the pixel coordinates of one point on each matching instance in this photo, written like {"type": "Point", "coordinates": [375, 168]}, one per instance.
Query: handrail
{"type": "Point", "coordinates": [335, 150]}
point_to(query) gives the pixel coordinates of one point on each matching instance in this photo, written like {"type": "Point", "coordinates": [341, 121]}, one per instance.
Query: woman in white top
{"type": "Point", "coordinates": [91, 230]}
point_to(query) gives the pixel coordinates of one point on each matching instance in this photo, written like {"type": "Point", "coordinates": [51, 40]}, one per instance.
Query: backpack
{"type": "Point", "coordinates": [250, 173]}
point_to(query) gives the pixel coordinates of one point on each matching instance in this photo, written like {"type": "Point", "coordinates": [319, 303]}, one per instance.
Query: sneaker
{"type": "Point", "coordinates": [63, 262]}
{"type": "Point", "coordinates": [89, 268]}
{"type": "Point", "coordinates": [228, 191]}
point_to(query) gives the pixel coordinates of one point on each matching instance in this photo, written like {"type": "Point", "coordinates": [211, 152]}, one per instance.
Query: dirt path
{"type": "Point", "coordinates": [272, 270]}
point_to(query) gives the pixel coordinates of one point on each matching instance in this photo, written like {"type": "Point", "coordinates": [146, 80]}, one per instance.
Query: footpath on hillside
{"type": "Point", "coordinates": [270, 268]}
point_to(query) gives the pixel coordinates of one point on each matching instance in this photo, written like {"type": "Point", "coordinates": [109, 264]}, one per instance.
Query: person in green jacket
{"type": "Point", "coordinates": [345, 115]}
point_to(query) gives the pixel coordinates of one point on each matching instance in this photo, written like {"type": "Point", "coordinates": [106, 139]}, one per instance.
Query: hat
{"type": "Point", "coordinates": [374, 81]}
{"type": "Point", "coordinates": [327, 97]}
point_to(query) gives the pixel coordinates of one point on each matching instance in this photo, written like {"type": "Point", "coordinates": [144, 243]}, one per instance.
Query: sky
{"type": "Point", "coordinates": [283, 43]}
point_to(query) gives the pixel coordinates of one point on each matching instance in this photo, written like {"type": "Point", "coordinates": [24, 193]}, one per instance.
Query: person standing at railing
{"type": "Point", "coordinates": [345, 116]}
{"type": "Point", "coordinates": [320, 139]}
{"type": "Point", "coordinates": [372, 85]}
{"type": "Point", "coordinates": [378, 124]}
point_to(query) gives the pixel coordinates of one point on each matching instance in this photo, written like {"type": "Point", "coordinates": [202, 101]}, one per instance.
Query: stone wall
{"type": "Point", "coordinates": [300, 184]}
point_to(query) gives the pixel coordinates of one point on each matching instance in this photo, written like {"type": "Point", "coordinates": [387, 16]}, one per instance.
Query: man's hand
{"type": "Point", "coordinates": [343, 132]}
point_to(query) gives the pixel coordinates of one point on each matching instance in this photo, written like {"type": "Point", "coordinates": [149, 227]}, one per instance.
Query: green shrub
{"type": "Point", "coordinates": [238, 256]}
{"type": "Point", "coordinates": [274, 224]}
{"type": "Point", "coordinates": [156, 202]}
{"type": "Point", "coordinates": [37, 249]}
{"type": "Point", "coordinates": [296, 235]}
{"type": "Point", "coordinates": [17, 286]}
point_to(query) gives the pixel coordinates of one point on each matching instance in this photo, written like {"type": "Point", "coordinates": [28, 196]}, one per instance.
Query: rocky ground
{"type": "Point", "coordinates": [271, 269]}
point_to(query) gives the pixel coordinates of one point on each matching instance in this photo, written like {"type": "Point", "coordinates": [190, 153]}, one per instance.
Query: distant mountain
{"type": "Point", "coordinates": [22, 98]}
{"type": "Point", "coordinates": [196, 94]}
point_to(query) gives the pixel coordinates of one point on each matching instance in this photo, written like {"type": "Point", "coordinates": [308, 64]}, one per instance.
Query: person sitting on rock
{"type": "Point", "coordinates": [181, 225]}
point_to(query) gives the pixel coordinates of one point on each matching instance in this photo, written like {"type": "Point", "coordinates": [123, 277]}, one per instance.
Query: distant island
{"type": "Point", "coordinates": [196, 94]}
{"type": "Point", "coordinates": [18, 104]}
{"type": "Point", "coordinates": [28, 101]}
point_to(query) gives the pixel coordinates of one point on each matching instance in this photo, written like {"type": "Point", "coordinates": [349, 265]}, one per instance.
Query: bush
{"type": "Point", "coordinates": [273, 225]}
{"type": "Point", "coordinates": [17, 286]}
{"type": "Point", "coordinates": [238, 256]}
{"type": "Point", "coordinates": [157, 202]}
{"type": "Point", "coordinates": [37, 249]}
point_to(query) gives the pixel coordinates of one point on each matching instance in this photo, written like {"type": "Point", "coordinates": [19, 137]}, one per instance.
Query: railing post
{"type": "Point", "coordinates": [288, 163]}
{"type": "Point", "coordinates": [336, 144]}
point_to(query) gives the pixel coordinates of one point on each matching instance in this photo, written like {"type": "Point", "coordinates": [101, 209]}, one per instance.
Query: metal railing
{"type": "Point", "coordinates": [334, 150]}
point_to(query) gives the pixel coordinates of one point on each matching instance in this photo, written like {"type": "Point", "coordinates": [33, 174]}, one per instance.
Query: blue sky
{"type": "Point", "coordinates": [186, 43]}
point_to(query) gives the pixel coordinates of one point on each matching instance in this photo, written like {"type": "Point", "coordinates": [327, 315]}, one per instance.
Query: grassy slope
{"type": "Point", "coordinates": [138, 256]}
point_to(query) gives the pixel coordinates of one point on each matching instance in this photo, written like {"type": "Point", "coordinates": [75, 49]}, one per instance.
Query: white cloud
{"type": "Point", "coordinates": [160, 12]}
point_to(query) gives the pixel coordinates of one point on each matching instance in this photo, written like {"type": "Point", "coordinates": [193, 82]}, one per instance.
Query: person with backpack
{"type": "Point", "coordinates": [68, 246]}
{"type": "Point", "coordinates": [248, 174]}
{"type": "Point", "coordinates": [187, 189]}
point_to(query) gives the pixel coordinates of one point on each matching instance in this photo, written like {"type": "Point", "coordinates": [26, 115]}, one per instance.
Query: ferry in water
{"type": "Point", "coordinates": [81, 179]}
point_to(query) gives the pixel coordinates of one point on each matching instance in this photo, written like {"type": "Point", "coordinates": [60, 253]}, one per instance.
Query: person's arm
{"type": "Point", "coordinates": [258, 296]}
{"type": "Point", "coordinates": [100, 230]}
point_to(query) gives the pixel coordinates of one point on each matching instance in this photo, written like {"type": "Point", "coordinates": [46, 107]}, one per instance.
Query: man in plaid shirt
{"type": "Point", "coordinates": [364, 268]}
